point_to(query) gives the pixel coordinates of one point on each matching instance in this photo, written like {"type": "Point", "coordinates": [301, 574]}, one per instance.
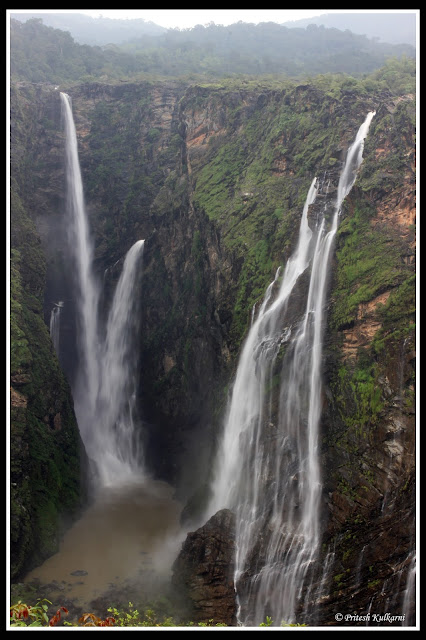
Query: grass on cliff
{"type": "Point", "coordinates": [368, 263]}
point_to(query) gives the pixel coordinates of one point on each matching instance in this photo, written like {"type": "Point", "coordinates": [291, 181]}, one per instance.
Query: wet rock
{"type": "Point", "coordinates": [79, 572]}
{"type": "Point", "coordinates": [203, 571]}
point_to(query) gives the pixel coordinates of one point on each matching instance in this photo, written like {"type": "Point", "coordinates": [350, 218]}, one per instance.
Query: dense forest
{"type": "Point", "coordinates": [394, 28]}
{"type": "Point", "coordinates": [39, 53]}
{"type": "Point", "coordinates": [204, 142]}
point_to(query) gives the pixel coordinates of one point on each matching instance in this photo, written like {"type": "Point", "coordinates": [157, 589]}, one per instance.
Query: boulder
{"type": "Point", "coordinates": [203, 571]}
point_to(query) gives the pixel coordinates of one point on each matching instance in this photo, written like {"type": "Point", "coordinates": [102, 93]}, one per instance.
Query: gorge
{"type": "Point", "coordinates": [251, 244]}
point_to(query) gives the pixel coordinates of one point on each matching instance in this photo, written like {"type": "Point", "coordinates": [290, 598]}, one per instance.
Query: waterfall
{"type": "Point", "coordinates": [267, 467]}
{"type": "Point", "coordinates": [55, 324]}
{"type": "Point", "coordinates": [245, 411]}
{"type": "Point", "coordinates": [87, 287]}
{"type": "Point", "coordinates": [116, 399]}
{"type": "Point", "coordinates": [105, 385]}
{"type": "Point", "coordinates": [410, 593]}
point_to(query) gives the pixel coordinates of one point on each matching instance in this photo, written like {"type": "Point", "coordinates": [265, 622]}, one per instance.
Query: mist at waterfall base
{"type": "Point", "coordinates": [268, 465]}
{"type": "Point", "coordinates": [127, 538]}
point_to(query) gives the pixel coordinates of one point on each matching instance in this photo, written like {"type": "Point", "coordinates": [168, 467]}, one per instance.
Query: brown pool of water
{"type": "Point", "coordinates": [124, 543]}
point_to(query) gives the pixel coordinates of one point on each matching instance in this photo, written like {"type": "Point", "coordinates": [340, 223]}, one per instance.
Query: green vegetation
{"type": "Point", "coordinates": [103, 30]}
{"type": "Point", "coordinates": [44, 440]}
{"type": "Point", "coordinates": [374, 584]}
{"type": "Point", "coordinates": [20, 354]}
{"type": "Point", "coordinates": [94, 31]}
{"type": "Point", "coordinates": [398, 75]}
{"type": "Point", "coordinates": [44, 54]}
{"type": "Point", "coordinates": [124, 173]}
{"type": "Point", "coordinates": [22, 615]}
{"type": "Point", "coordinates": [253, 186]}
{"type": "Point", "coordinates": [376, 279]}
{"type": "Point", "coordinates": [371, 320]}
{"type": "Point", "coordinates": [369, 263]}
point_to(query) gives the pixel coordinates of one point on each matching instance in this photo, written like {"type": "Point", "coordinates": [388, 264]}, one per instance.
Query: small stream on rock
{"type": "Point", "coordinates": [120, 550]}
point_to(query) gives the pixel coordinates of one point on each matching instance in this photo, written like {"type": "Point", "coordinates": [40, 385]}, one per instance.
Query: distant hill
{"type": "Point", "coordinates": [394, 28]}
{"type": "Point", "coordinates": [41, 53]}
{"type": "Point", "coordinates": [95, 31]}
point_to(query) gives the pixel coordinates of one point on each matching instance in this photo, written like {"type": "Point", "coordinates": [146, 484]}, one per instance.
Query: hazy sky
{"type": "Point", "coordinates": [185, 18]}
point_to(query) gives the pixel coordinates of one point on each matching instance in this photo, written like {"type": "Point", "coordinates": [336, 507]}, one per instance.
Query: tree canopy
{"type": "Point", "coordinates": [39, 53]}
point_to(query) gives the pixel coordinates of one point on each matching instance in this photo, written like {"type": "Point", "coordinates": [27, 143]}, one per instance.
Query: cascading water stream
{"type": "Point", "coordinates": [104, 389]}
{"type": "Point", "coordinates": [267, 467]}
{"type": "Point", "coordinates": [262, 342]}
{"type": "Point", "coordinates": [410, 592]}
{"type": "Point", "coordinates": [55, 325]}
{"type": "Point", "coordinates": [118, 440]}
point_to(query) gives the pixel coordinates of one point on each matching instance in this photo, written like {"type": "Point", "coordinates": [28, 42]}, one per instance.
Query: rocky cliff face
{"type": "Point", "coordinates": [369, 421]}
{"type": "Point", "coordinates": [47, 460]}
{"type": "Point", "coordinates": [214, 180]}
{"type": "Point", "coordinates": [203, 572]}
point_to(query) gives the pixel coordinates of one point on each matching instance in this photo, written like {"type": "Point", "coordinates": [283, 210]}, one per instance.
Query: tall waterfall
{"type": "Point", "coordinates": [104, 389]}
{"type": "Point", "coordinates": [87, 289]}
{"type": "Point", "coordinates": [267, 468]}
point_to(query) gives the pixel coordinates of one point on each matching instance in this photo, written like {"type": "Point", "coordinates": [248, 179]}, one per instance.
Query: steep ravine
{"type": "Point", "coordinates": [213, 179]}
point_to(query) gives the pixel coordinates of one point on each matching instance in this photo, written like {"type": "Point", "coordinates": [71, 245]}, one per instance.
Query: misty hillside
{"type": "Point", "coordinates": [394, 28]}
{"type": "Point", "coordinates": [43, 54]}
{"type": "Point", "coordinates": [94, 31]}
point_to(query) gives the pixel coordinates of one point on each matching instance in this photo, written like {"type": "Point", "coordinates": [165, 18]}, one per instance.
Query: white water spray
{"type": "Point", "coordinates": [267, 467]}
{"type": "Point", "coordinates": [105, 387]}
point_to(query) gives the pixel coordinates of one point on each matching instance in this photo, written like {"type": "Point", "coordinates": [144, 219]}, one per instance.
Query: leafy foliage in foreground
{"type": "Point", "coordinates": [270, 623]}
{"type": "Point", "coordinates": [22, 615]}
